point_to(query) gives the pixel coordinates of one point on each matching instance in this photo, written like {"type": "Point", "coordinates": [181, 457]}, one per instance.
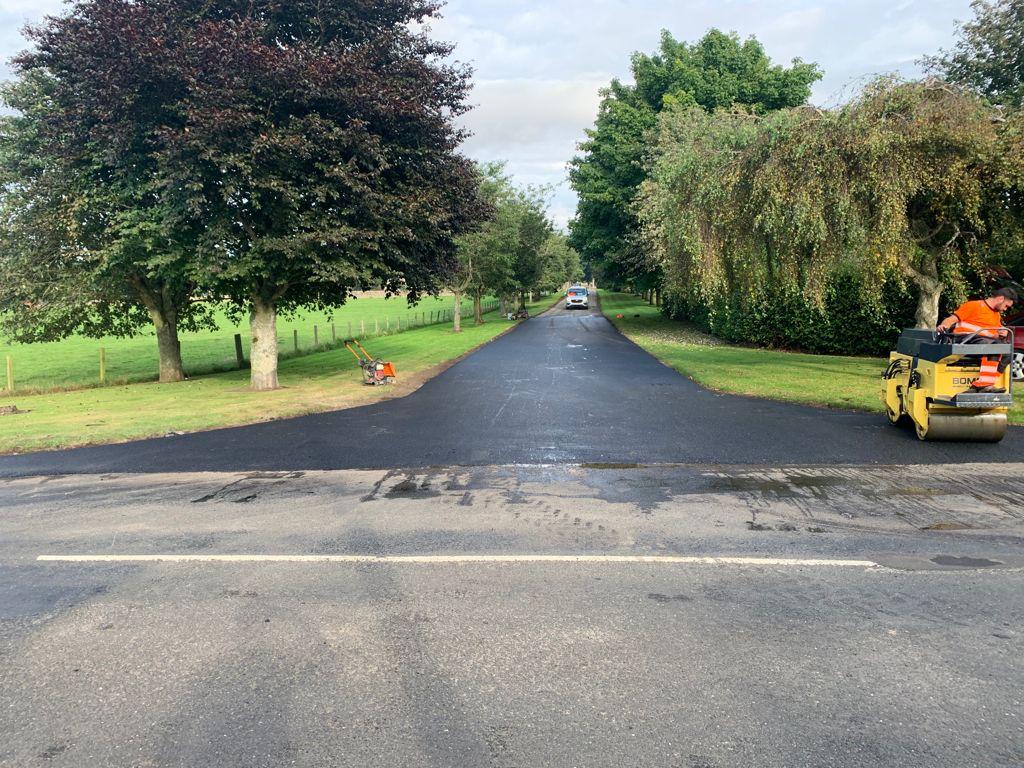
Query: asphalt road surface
{"type": "Point", "coordinates": [565, 387]}
{"type": "Point", "coordinates": [880, 625]}
{"type": "Point", "coordinates": [560, 553]}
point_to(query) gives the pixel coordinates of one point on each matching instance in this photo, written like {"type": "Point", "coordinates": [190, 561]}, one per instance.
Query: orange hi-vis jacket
{"type": "Point", "coordinates": [977, 316]}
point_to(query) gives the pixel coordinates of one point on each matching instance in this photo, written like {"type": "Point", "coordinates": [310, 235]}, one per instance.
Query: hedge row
{"type": "Point", "coordinates": [850, 320]}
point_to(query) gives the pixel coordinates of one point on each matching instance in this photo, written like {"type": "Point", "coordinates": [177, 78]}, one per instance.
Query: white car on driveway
{"type": "Point", "coordinates": [577, 297]}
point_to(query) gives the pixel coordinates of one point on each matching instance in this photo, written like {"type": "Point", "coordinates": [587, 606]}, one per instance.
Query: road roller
{"type": "Point", "coordinates": [928, 380]}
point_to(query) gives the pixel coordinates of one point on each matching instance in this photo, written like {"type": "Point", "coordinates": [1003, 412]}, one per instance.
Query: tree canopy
{"type": "Point", "coordinates": [718, 71]}
{"type": "Point", "coordinates": [86, 245]}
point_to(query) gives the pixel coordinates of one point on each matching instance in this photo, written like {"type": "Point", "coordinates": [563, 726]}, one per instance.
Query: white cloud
{"type": "Point", "coordinates": [517, 113]}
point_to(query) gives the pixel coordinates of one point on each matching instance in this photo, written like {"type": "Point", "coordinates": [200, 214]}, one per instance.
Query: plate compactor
{"type": "Point", "coordinates": [375, 371]}
{"type": "Point", "coordinates": [929, 380]}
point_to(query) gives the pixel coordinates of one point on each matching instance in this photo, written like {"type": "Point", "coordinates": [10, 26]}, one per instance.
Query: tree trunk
{"type": "Point", "coordinates": [522, 299]}
{"type": "Point", "coordinates": [457, 313]}
{"type": "Point", "coordinates": [930, 287]}
{"type": "Point", "coordinates": [169, 346]}
{"type": "Point", "coordinates": [503, 306]}
{"type": "Point", "coordinates": [263, 357]}
{"type": "Point", "coordinates": [927, 313]}
{"type": "Point", "coordinates": [478, 313]}
{"type": "Point", "coordinates": [159, 303]}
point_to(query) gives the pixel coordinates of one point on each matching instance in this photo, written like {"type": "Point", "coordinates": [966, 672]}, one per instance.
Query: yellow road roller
{"type": "Point", "coordinates": [928, 380]}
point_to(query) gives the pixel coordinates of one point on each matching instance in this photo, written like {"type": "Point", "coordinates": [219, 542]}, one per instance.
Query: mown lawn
{"type": "Point", "coordinates": [825, 380]}
{"type": "Point", "coordinates": [317, 382]}
{"type": "Point", "coordinates": [74, 362]}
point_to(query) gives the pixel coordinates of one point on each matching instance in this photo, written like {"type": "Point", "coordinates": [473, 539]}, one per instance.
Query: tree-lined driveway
{"type": "Point", "coordinates": [565, 387]}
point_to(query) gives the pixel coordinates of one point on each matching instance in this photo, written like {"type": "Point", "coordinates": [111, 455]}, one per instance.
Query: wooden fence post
{"type": "Point", "coordinates": [103, 366]}
{"type": "Point", "coordinates": [316, 336]}
{"type": "Point", "coordinates": [295, 339]}
{"type": "Point", "coordinates": [362, 328]}
{"type": "Point", "coordinates": [10, 373]}
{"type": "Point", "coordinates": [376, 328]}
{"type": "Point", "coordinates": [239, 354]}
{"type": "Point", "coordinates": [334, 335]}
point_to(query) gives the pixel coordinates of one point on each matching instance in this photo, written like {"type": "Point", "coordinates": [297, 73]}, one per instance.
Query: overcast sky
{"type": "Point", "coordinates": [539, 65]}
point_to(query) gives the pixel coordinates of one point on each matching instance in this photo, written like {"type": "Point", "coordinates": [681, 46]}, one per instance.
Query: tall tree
{"type": "Point", "coordinates": [319, 154]}
{"type": "Point", "coordinates": [532, 230]}
{"type": "Point", "coordinates": [718, 71]}
{"type": "Point", "coordinates": [485, 255]}
{"type": "Point", "coordinates": [561, 263]}
{"type": "Point", "coordinates": [989, 53]}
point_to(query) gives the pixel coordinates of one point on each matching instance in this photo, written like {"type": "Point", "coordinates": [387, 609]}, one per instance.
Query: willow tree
{"type": "Point", "coordinates": [909, 177]}
{"type": "Point", "coordinates": [690, 208]}
{"type": "Point", "coordinates": [926, 170]}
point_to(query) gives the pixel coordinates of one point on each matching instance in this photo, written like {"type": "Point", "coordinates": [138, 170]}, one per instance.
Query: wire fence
{"type": "Point", "coordinates": [115, 365]}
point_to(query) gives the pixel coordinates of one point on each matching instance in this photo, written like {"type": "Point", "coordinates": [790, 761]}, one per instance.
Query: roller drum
{"type": "Point", "coordinates": [975, 427]}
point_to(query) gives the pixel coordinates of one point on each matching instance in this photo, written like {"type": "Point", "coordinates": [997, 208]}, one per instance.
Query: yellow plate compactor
{"type": "Point", "coordinates": [929, 380]}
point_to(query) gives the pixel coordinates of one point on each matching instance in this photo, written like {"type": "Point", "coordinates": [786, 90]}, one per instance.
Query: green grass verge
{"type": "Point", "coordinates": [74, 362]}
{"type": "Point", "coordinates": [823, 380]}
{"type": "Point", "coordinates": [316, 382]}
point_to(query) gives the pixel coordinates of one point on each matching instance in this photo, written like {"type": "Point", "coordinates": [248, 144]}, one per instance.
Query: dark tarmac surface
{"type": "Point", "coordinates": [565, 387]}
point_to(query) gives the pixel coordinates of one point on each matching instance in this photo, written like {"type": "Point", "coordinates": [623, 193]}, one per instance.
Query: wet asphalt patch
{"type": "Point", "coordinates": [949, 562]}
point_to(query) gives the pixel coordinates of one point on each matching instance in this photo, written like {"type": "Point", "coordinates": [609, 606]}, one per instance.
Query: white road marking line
{"type": "Point", "coordinates": [455, 559]}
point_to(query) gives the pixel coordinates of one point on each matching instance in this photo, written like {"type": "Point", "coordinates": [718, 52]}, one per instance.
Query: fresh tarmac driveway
{"type": "Point", "coordinates": [565, 387]}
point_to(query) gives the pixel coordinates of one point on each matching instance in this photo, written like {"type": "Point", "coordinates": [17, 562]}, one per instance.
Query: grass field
{"type": "Point", "coordinates": [825, 380]}
{"type": "Point", "coordinates": [316, 382]}
{"type": "Point", "coordinates": [74, 362]}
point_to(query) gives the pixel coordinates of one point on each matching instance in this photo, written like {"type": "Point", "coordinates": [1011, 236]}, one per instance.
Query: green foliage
{"type": "Point", "coordinates": [561, 263]}
{"type": "Point", "coordinates": [753, 217]}
{"type": "Point", "coordinates": [533, 230]}
{"type": "Point", "coordinates": [84, 247]}
{"type": "Point", "coordinates": [509, 252]}
{"type": "Point", "coordinates": [718, 71]}
{"type": "Point", "coordinates": [989, 55]}
{"type": "Point", "coordinates": [850, 319]}
{"type": "Point", "coordinates": [485, 254]}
